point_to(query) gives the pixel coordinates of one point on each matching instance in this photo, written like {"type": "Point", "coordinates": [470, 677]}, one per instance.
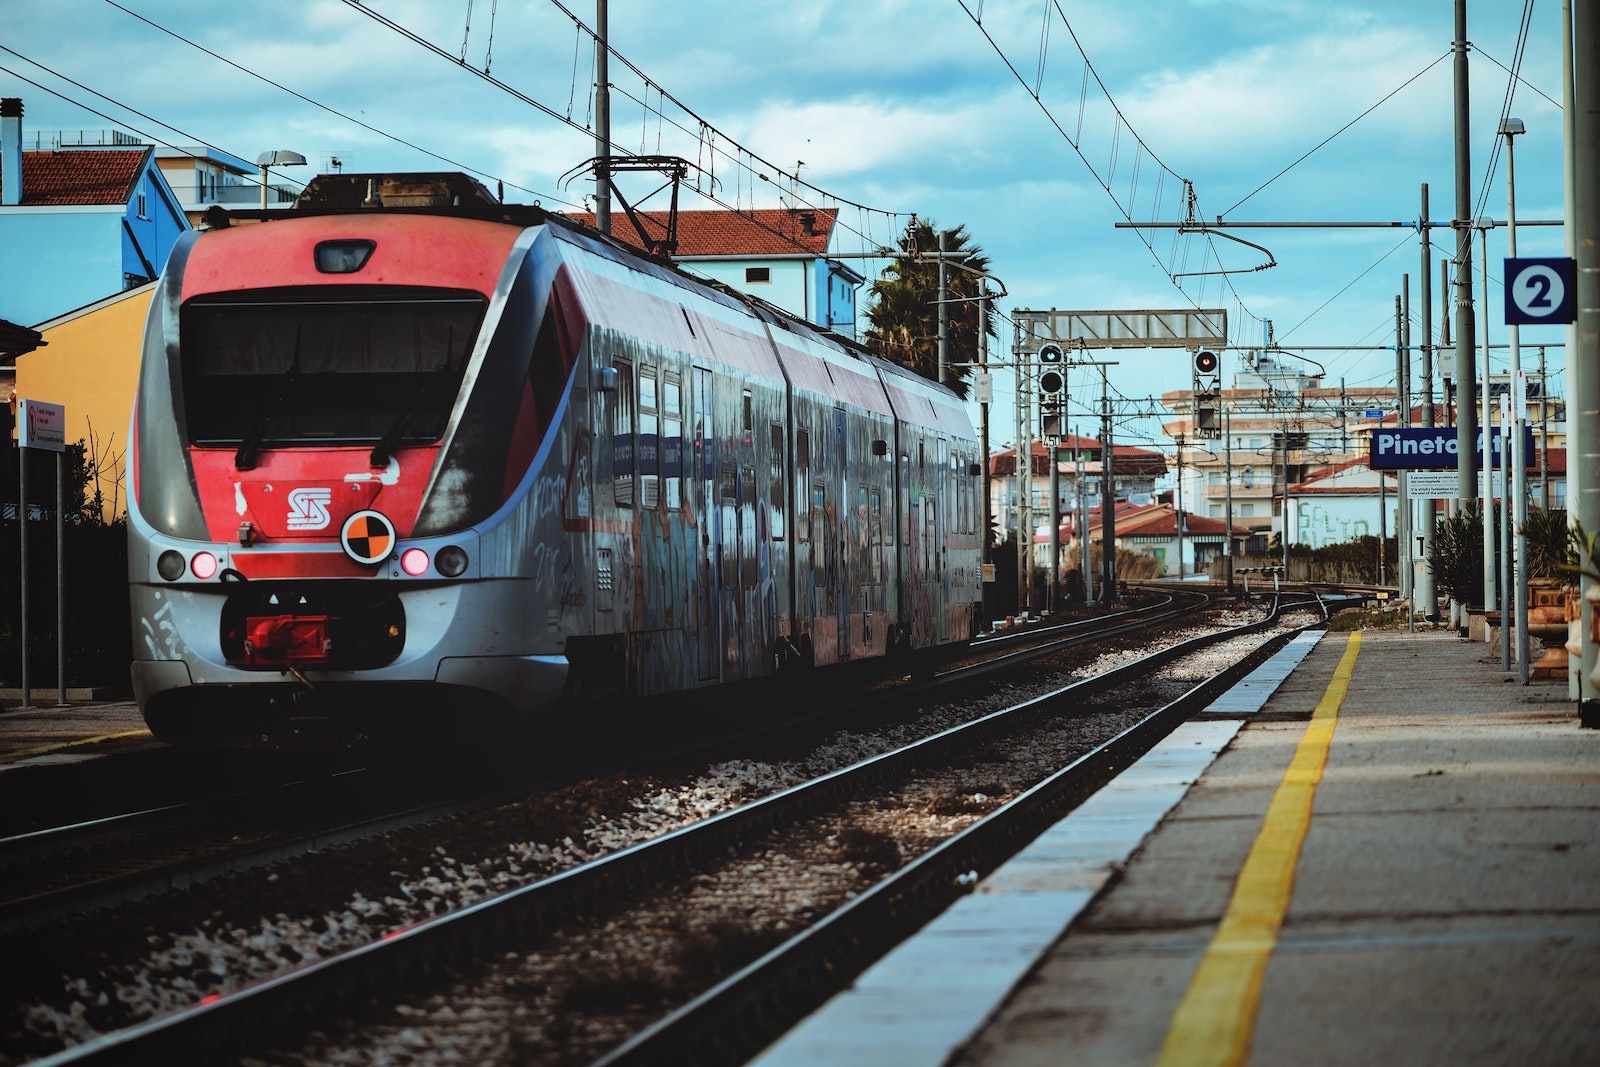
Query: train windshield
{"type": "Point", "coordinates": [378, 368]}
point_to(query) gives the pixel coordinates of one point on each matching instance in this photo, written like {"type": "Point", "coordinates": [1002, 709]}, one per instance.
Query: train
{"type": "Point", "coordinates": [408, 463]}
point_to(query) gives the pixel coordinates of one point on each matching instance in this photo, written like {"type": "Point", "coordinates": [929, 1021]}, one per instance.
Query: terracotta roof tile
{"type": "Point", "coordinates": [759, 232]}
{"type": "Point", "coordinates": [80, 176]}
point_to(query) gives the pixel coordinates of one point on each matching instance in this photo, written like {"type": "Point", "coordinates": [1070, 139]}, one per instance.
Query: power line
{"type": "Point", "coordinates": [1075, 140]}
{"type": "Point", "coordinates": [330, 110]}
{"type": "Point", "coordinates": [251, 179]}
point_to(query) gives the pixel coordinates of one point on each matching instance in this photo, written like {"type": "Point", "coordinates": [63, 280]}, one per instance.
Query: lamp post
{"type": "Point", "coordinates": [1509, 128]}
{"type": "Point", "coordinates": [281, 157]}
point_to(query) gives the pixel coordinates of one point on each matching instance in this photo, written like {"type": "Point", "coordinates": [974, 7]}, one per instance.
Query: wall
{"type": "Point", "coordinates": [1320, 521]}
{"type": "Point", "coordinates": [91, 365]}
{"type": "Point", "coordinates": [58, 259]}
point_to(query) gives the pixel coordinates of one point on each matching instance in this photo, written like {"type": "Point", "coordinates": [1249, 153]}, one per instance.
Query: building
{"type": "Point", "coordinates": [1182, 544]}
{"type": "Point", "coordinates": [78, 224]}
{"type": "Point", "coordinates": [781, 255]}
{"type": "Point", "coordinates": [1279, 444]}
{"type": "Point", "coordinates": [1240, 448]}
{"type": "Point", "coordinates": [91, 366]}
{"type": "Point", "coordinates": [1080, 465]}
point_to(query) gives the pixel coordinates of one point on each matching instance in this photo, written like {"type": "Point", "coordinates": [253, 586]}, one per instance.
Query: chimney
{"type": "Point", "coordinates": [808, 220]}
{"type": "Point", "coordinates": [10, 150]}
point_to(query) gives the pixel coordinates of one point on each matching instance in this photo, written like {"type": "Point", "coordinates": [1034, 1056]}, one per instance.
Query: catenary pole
{"type": "Point", "coordinates": [602, 118]}
{"type": "Point", "coordinates": [1518, 479]}
{"type": "Point", "coordinates": [1583, 363]}
{"type": "Point", "coordinates": [1466, 340]}
{"type": "Point", "coordinates": [1430, 509]}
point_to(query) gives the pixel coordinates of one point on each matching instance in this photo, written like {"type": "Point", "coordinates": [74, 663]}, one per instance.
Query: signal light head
{"type": "Point", "coordinates": [1207, 362]}
{"type": "Point", "coordinates": [1051, 382]}
{"type": "Point", "coordinates": [1050, 354]}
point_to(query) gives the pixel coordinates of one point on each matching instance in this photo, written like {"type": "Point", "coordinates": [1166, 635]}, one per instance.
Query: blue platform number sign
{"type": "Point", "coordinates": [1540, 291]}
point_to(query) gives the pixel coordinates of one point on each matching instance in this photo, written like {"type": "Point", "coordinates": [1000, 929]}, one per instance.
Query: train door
{"type": "Point", "coordinates": [704, 501]}
{"type": "Point", "coordinates": [841, 534]}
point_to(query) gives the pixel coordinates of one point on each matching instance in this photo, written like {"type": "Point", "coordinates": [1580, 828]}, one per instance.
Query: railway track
{"type": "Point", "coordinates": [147, 842]}
{"type": "Point", "coordinates": [230, 1022]}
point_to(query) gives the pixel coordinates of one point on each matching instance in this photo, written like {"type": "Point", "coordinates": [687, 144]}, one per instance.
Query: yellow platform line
{"type": "Point", "coordinates": [1216, 1020]}
{"type": "Point", "coordinates": [12, 757]}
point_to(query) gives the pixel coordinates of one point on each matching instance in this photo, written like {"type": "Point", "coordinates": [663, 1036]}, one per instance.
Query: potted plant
{"type": "Point", "coordinates": [1456, 557]}
{"type": "Point", "coordinates": [1552, 559]}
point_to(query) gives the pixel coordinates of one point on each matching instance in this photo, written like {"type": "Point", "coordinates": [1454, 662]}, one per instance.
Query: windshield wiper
{"type": "Point", "coordinates": [383, 451]}
{"type": "Point", "coordinates": [245, 458]}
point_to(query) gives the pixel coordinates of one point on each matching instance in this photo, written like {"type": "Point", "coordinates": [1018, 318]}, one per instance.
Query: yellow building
{"type": "Point", "coordinates": [90, 363]}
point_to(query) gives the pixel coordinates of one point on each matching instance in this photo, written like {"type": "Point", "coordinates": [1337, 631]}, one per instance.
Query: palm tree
{"type": "Point", "coordinates": [904, 315]}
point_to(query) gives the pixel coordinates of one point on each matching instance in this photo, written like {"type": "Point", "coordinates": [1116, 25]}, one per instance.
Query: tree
{"type": "Point", "coordinates": [903, 317]}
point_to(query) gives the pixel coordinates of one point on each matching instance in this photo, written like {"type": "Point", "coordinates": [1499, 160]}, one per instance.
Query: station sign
{"type": "Point", "coordinates": [1540, 291]}
{"type": "Point", "coordinates": [42, 425]}
{"type": "Point", "coordinates": [1434, 447]}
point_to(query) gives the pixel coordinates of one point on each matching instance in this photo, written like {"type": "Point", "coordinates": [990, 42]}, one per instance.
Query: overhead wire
{"type": "Point", "coordinates": [331, 110]}
{"type": "Point", "coordinates": [249, 180]}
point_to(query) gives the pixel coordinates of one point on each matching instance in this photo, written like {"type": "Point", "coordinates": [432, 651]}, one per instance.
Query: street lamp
{"type": "Point", "coordinates": [1518, 480]}
{"type": "Point", "coordinates": [282, 157]}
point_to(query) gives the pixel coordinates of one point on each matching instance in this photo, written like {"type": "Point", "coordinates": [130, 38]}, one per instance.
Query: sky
{"type": "Point", "coordinates": [979, 114]}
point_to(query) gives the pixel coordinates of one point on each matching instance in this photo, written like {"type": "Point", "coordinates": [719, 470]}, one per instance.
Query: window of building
{"type": "Point", "coordinates": [1216, 511]}
{"type": "Point", "coordinates": [1247, 510]}
{"type": "Point", "coordinates": [757, 275]}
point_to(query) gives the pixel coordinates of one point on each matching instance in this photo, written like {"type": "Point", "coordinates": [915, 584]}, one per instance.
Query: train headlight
{"type": "Point", "coordinates": [414, 561]}
{"type": "Point", "coordinates": [451, 561]}
{"type": "Point", "coordinates": [204, 565]}
{"type": "Point", "coordinates": [170, 565]}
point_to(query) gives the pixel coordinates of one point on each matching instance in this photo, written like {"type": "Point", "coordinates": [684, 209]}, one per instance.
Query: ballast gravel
{"type": "Point", "coordinates": [519, 1010]}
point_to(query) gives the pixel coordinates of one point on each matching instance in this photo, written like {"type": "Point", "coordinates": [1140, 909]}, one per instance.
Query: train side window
{"type": "Point", "coordinates": [876, 537]}
{"type": "Point", "coordinates": [728, 537]}
{"type": "Point", "coordinates": [622, 459]}
{"type": "Point", "coordinates": [649, 439]}
{"type": "Point", "coordinates": [748, 532]}
{"type": "Point", "coordinates": [775, 467]}
{"type": "Point", "coordinates": [802, 478]}
{"type": "Point", "coordinates": [748, 418]}
{"type": "Point", "coordinates": [904, 514]}
{"type": "Point", "coordinates": [822, 559]}
{"type": "Point", "coordinates": [672, 439]}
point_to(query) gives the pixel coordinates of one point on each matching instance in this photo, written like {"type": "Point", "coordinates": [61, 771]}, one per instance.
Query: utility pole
{"type": "Point", "coordinates": [602, 119]}
{"type": "Point", "coordinates": [1430, 508]}
{"type": "Point", "coordinates": [1085, 556]}
{"type": "Point", "coordinates": [1108, 498]}
{"type": "Point", "coordinates": [988, 477]}
{"type": "Point", "coordinates": [1584, 364]}
{"type": "Point", "coordinates": [1401, 418]}
{"type": "Point", "coordinates": [1491, 572]}
{"type": "Point", "coordinates": [944, 306]}
{"type": "Point", "coordinates": [1466, 387]}
{"type": "Point", "coordinates": [1024, 481]}
{"type": "Point", "coordinates": [1517, 475]}
{"type": "Point", "coordinates": [1182, 571]}
{"type": "Point", "coordinates": [1227, 517]}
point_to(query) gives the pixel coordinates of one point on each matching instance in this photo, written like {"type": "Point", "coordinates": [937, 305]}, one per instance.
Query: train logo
{"type": "Point", "coordinates": [367, 537]}
{"type": "Point", "coordinates": [308, 509]}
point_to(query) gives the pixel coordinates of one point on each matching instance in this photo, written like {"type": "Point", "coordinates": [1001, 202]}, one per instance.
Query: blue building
{"type": "Point", "coordinates": [78, 224]}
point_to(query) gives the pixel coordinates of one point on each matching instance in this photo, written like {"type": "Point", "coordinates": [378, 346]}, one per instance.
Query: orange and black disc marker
{"type": "Point", "coordinates": [367, 537]}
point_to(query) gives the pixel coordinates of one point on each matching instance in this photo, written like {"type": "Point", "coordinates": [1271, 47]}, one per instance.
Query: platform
{"type": "Point", "coordinates": [79, 731]}
{"type": "Point", "coordinates": [1396, 862]}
